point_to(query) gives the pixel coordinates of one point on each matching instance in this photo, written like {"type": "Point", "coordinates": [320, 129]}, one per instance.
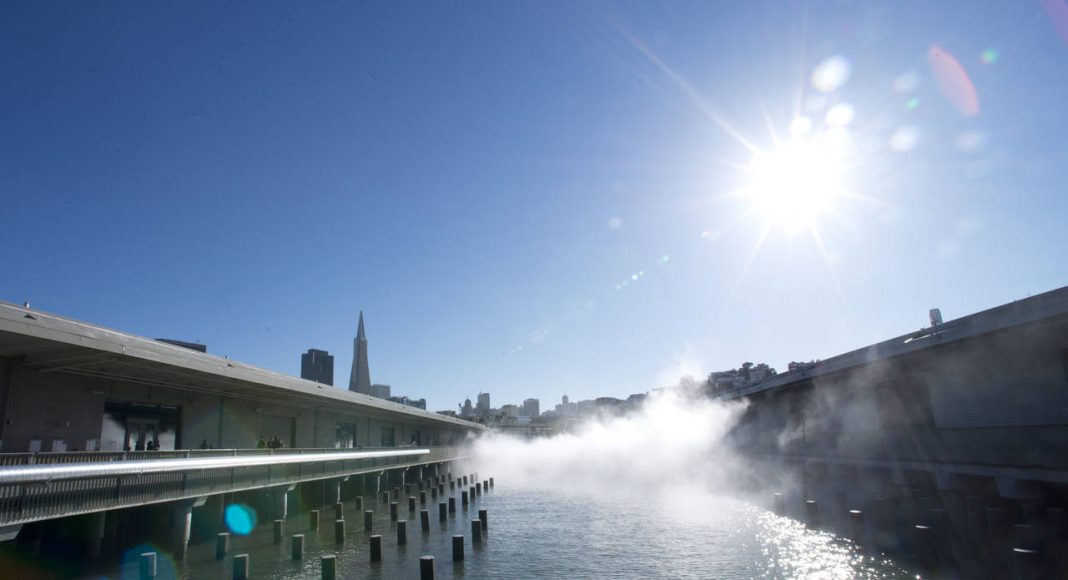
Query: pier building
{"type": "Point", "coordinates": [955, 425]}
{"type": "Point", "coordinates": [100, 428]}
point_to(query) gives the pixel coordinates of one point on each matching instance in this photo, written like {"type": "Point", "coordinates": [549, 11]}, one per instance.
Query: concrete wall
{"type": "Point", "coordinates": [70, 408]}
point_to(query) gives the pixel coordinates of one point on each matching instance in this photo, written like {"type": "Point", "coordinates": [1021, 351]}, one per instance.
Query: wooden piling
{"type": "Point", "coordinates": [222, 545]}
{"type": "Point", "coordinates": [376, 548]}
{"type": "Point", "coordinates": [297, 546]}
{"type": "Point", "coordinates": [339, 531]}
{"type": "Point", "coordinates": [279, 530]}
{"type": "Point", "coordinates": [426, 568]}
{"type": "Point", "coordinates": [368, 519]}
{"type": "Point", "coordinates": [424, 520]}
{"type": "Point", "coordinates": [147, 566]}
{"type": "Point", "coordinates": [483, 517]}
{"type": "Point", "coordinates": [457, 548]}
{"type": "Point", "coordinates": [313, 520]}
{"type": "Point", "coordinates": [402, 532]}
{"type": "Point", "coordinates": [476, 532]}
{"type": "Point", "coordinates": [328, 567]}
{"type": "Point", "coordinates": [241, 567]}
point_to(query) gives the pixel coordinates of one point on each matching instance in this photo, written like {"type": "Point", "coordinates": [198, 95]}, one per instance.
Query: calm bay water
{"type": "Point", "coordinates": [545, 533]}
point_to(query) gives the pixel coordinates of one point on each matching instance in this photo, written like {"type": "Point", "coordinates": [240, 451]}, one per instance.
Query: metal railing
{"type": "Point", "coordinates": [36, 486]}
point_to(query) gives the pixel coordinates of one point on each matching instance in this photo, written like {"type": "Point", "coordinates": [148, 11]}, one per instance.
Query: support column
{"type": "Point", "coordinates": [182, 514]}
{"type": "Point", "coordinates": [94, 527]}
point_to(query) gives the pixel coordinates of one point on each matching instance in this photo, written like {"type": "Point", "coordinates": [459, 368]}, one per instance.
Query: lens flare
{"type": "Point", "coordinates": [240, 518]}
{"type": "Point", "coordinates": [953, 81]}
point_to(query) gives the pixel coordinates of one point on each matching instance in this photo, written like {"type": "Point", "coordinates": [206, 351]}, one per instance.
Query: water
{"type": "Point", "coordinates": [551, 533]}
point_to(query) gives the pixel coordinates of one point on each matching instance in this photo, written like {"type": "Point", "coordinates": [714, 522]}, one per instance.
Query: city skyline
{"type": "Point", "coordinates": [532, 200]}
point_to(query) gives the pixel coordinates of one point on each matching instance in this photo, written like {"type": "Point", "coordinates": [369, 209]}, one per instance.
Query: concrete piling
{"type": "Point", "coordinates": [402, 532]}
{"type": "Point", "coordinates": [359, 503]}
{"type": "Point", "coordinates": [478, 487]}
{"type": "Point", "coordinates": [856, 527]}
{"type": "Point", "coordinates": [222, 545]}
{"type": "Point", "coordinates": [812, 513]}
{"type": "Point", "coordinates": [452, 505]}
{"type": "Point", "coordinates": [464, 480]}
{"type": "Point", "coordinates": [458, 548]}
{"type": "Point", "coordinates": [385, 497]}
{"type": "Point", "coordinates": [411, 503]}
{"type": "Point", "coordinates": [368, 520]}
{"type": "Point", "coordinates": [491, 482]}
{"type": "Point", "coordinates": [780, 504]}
{"type": "Point", "coordinates": [313, 520]}
{"type": "Point", "coordinates": [1027, 564]}
{"type": "Point", "coordinates": [279, 530]}
{"type": "Point", "coordinates": [476, 532]}
{"type": "Point", "coordinates": [396, 493]}
{"type": "Point", "coordinates": [426, 568]}
{"type": "Point", "coordinates": [483, 516]}
{"type": "Point", "coordinates": [926, 549]}
{"type": "Point", "coordinates": [393, 511]}
{"type": "Point", "coordinates": [241, 567]}
{"type": "Point", "coordinates": [441, 489]}
{"type": "Point", "coordinates": [328, 567]}
{"type": "Point", "coordinates": [443, 511]}
{"type": "Point", "coordinates": [376, 548]}
{"type": "Point", "coordinates": [424, 520]}
{"type": "Point", "coordinates": [434, 493]}
{"type": "Point", "coordinates": [471, 493]}
{"type": "Point", "coordinates": [463, 499]}
{"type": "Point", "coordinates": [339, 531]}
{"type": "Point", "coordinates": [339, 511]}
{"type": "Point", "coordinates": [422, 498]}
{"type": "Point", "coordinates": [452, 485]}
{"type": "Point", "coordinates": [297, 546]}
{"type": "Point", "coordinates": [147, 567]}
{"type": "Point", "coordinates": [485, 485]}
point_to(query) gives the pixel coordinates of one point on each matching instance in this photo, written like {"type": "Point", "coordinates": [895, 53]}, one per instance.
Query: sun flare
{"type": "Point", "coordinates": [796, 183]}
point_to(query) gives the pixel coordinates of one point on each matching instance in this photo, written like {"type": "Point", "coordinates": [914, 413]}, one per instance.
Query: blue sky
{"type": "Point", "coordinates": [526, 198]}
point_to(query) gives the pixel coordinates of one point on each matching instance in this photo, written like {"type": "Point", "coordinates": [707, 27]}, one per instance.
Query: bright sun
{"type": "Point", "coordinates": [796, 183]}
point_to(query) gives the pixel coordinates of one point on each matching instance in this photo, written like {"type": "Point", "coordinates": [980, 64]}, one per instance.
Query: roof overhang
{"type": "Point", "coordinates": [49, 343]}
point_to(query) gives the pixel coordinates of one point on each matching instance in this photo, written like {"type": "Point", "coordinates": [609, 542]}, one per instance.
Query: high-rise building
{"type": "Point", "coordinates": [380, 391]}
{"type": "Point", "coordinates": [466, 410]}
{"type": "Point", "coordinates": [483, 406]}
{"type": "Point", "coordinates": [360, 379]}
{"type": "Point", "coordinates": [317, 365]}
{"type": "Point", "coordinates": [532, 408]}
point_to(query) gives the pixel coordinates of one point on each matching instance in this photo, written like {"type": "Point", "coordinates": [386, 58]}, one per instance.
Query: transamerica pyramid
{"type": "Point", "coordinates": [360, 379]}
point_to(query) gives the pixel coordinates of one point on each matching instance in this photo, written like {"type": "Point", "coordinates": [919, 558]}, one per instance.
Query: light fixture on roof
{"type": "Point", "coordinates": [936, 317]}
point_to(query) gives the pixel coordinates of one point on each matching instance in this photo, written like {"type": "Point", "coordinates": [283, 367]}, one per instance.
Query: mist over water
{"type": "Point", "coordinates": [662, 487]}
{"type": "Point", "coordinates": [674, 439]}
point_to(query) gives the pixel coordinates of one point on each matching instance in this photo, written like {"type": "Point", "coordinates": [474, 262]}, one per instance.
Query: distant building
{"type": "Point", "coordinates": [417, 403]}
{"type": "Point", "coordinates": [531, 408]}
{"type": "Point", "coordinates": [483, 406]}
{"type": "Point", "coordinates": [360, 378]}
{"type": "Point", "coordinates": [510, 411]}
{"type": "Point", "coordinates": [190, 345]}
{"type": "Point", "coordinates": [317, 365]}
{"type": "Point", "coordinates": [380, 391]}
{"type": "Point", "coordinates": [467, 410]}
